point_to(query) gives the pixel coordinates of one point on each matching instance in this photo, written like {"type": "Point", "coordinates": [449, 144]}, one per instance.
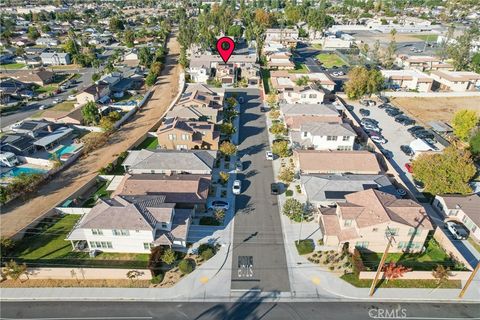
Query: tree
{"type": "Point", "coordinates": [447, 172]}
{"type": "Point", "coordinates": [90, 113]}
{"type": "Point", "coordinates": [145, 57]}
{"type": "Point", "coordinates": [129, 38]}
{"type": "Point", "coordinates": [475, 144]}
{"type": "Point", "coordinates": [292, 14]}
{"type": "Point", "coordinates": [227, 128]}
{"type": "Point", "coordinates": [45, 28]}
{"type": "Point", "coordinates": [286, 174]}
{"type": "Point", "coordinates": [271, 100]}
{"type": "Point", "coordinates": [281, 149]}
{"type": "Point", "coordinates": [6, 245]}
{"type": "Point", "coordinates": [219, 214]}
{"type": "Point", "coordinates": [14, 270]}
{"type": "Point", "coordinates": [302, 81]}
{"type": "Point", "coordinates": [394, 271]}
{"type": "Point", "coordinates": [459, 50]}
{"type": "Point", "coordinates": [55, 160]}
{"type": "Point", "coordinates": [278, 128]}
{"type": "Point", "coordinates": [150, 79]}
{"type": "Point", "coordinates": [33, 33]}
{"type": "Point", "coordinates": [362, 81]}
{"type": "Point", "coordinates": [156, 68]}
{"type": "Point", "coordinates": [107, 124]}
{"type": "Point", "coordinates": [441, 274]}
{"type": "Point", "coordinates": [114, 115]}
{"type": "Point", "coordinates": [186, 266]}
{"type": "Point", "coordinates": [235, 31]}
{"type": "Point", "coordinates": [227, 148]}
{"type": "Point", "coordinates": [224, 176]}
{"type": "Point", "coordinates": [293, 209]}
{"type": "Point", "coordinates": [274, 114]}
{"type": "Point", "coordinates": [169, 256]}
{"type": "Point", "coordinates": [464, 121]}
{"type": "Point", "coordinates": [95, 77]}
{"type": "Point", "coordinates": [133, 275]}
{"type": "Point", "coordinates": [475, 64]}
{"type": "Point", "coordinates": [115, 24]}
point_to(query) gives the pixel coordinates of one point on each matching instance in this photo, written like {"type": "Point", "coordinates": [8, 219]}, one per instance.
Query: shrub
{"type": "Point", "coordinates": [157, 279]}
{"type": "Point", "coordinates": [209, 221]}
{"type": "Point", "coordinates": [207, 254]}
{"type": "Point", "coordinates": [304, 246]}
{"type": "Point", "coordinates": [289, 193]}
{"type": "Point", "coordinates": [357, 262]}
{"type": "Point", "coordinates": [186, 266]}
{"type": "Point", "coordinates": [169, 256]}
{"type": "Point", "coordinates": [281, 149]}
{"type": "Point", "coordinates": [299, 189]}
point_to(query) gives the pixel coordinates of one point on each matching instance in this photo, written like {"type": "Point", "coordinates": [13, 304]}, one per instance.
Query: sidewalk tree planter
{"type": "Point", "coordinates": [224, 176]}
{"type": "Point", "coordinates": [286, 175]}
{"type": "Point", "coordinates": [281, 149]}
{"type": "Point", "coordinates": [305, 246]}
{"type": "Point", "coordinates": [227, 148]}
{"type": "Point", "coordinates": [293, 209]}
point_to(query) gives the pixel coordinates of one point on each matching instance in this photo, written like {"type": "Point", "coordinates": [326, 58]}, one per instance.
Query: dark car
{"type": "Point", "coordinates": [415, 128]}
{"type": "Point", "coordinates": [369, 120]}
{"type": "Point", "coordinates": [383, 99]}
{"type": "Point", "coordinates": [349, 107]}
{"type": "Point", "coordinates": [393, 112]}
{"type": "Point", "coordinates": [383, 105]}
{"type": "Point", "coordinates": [387, 153]}
{"type": "Point", "coordinates": [274, 189]}
{"type": "Point", "coordinates": [407, 150]}
{"type": "Point", "coordinates": [403, 119]}
{"type": "Point", "coordinates": [364, 112]}
{"type": "Point", "coordinates": [423, 134]}
{"type": "Point", "coordinates": [418, 184]}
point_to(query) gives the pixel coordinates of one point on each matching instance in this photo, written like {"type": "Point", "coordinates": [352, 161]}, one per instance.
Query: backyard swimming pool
{"type": "Point", "coordinates": [15, 172]}
{"type": "Point", "coordinates": [66, 149]}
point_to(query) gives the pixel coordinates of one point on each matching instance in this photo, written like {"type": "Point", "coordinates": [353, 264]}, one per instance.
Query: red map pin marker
{"type": "Point", "coordinates": [225, 47]}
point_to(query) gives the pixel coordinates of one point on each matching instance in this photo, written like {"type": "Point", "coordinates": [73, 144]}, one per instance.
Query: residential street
{"type": "Point", "coordinates": [258, 251]}
{"type": "Point", "coordinates": [250, 307]}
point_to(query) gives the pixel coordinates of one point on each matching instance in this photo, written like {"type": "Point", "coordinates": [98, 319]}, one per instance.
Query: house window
{"type": "Point", "coordinates": [147, 246]}
{"type": "Point", "coordinates": [347, 223]}
{"type": "Point", "coordinates": [185, 137]}
{"type": "Point", "coordinates": [101, 245]}
{"type": "Point", "coordinates": [303, 96]}
{"type": "Point", "coordinates": [164, 225]}
{"type": "Point", "coordinates": [97, 232]}
{"type": "Point", "coordinates": [361, 244]}
{"type": "Point", "coordinates": [344, 148]}
{"type": "Point", "coordinates": [305, 134]}
{"type": "Point", "coordinates": [464, 219]}
{"type": "Point", "coordinates": [391, 231]}
{"type": "Point", "coordinates": [331, 138]}
{"type": "Point", "coordinates": [312, 96]}
{"type": "Point", "coordinates": [453, 212]}
{"type": "Point", "coordinates": [172, 137]}
{"type": "Point", "coordinates": [414, 232]}
{"type": "Point", "coordinates": [346, 138]}
{"type": "Point", "coordinates": [120, 232]}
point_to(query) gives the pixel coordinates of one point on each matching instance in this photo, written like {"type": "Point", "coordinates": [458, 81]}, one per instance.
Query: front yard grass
{"type": "Point", "coordinates": [100, 193]}
{"type": "Point", "coordinates": [266, 80]}
{"type": "Point", "coordinates": [330, 60]}
{"type": "Point", "coordinates": [398, 283]}
{"type": "Point", "coordinates": [49, 88]}
{"type": "Point", "coordinates": [474, 244]}
{"type": "Point", "coordinates": [427, 261]}
{"type": "Point", "coordinates": [45, 245]}
{"type": "Point", "coordinates": [427, 37]}
{"type": "Point", "coordinates": [299, 68]}
{"type": "Point", "coordinates": [13, 66]}
{"type": "Point", "coordinates": [61, 107]}
{"type": "Point", "coordinates": [149, 143]}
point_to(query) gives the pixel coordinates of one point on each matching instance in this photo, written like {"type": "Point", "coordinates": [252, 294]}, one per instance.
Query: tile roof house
{"type": "Point", "coordinates": [39, 77]}
{"type": "Point", "coordinates": [324, 136]}
{"type": "Point", "coordinates": [197, 105]}
{"type": "Point", "coordinates": [334, 162]}
{"type": "Point", "coordinates": [327, 189]}
{"type": "Point", "coordinates": [296, 115]}
{"type": "Point", "coordinates": [367, 218]}
{"type": "Point", "coordinates": [282, 79]}
{"type": "Point", "coordinates": [176, 134]}
{"type": "Point", "coordinates": [280, 61]}
{"type": "Point", "coordinates": [310, 94]}
{"type": "Point", "coordinates": [464, 209]}
{"type": "Point", "coordinates": [170, 161]}
{"type": "Point", "coordinates": [93, 93]}
{"type": "Point", "coordinates": [132, 224]}
{"type": "Point", "coordinates": [186, 190]}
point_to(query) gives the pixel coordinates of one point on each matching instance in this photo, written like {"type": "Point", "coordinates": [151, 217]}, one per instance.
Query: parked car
{"type": "Point", "coordinates": [71, 97]}
{"type": "Point", "coordinates": [414, 129]}
{"type": "Point", "coordinates": [409, 167]}
{"type": "Point", "coordinates": [418, 184]}
{"type": "Point", "coordinates": [431, 143]}
{"type": "Point", "coordinates": [402, 193]}
{"type": "Point", "coordinates": [458, 231]}
{"type": "Point", "coordinates": [269, 155]}
{"type": "Point", "coordinates": [367, 102]}
{"type": "Point", "coordinates": [238, 166]}
{"type": "Point", "coordinates": [237, 187]}
{"type": "Point", "coordinates": [274, 189]}
{"type": "Point", "coordinates": [383, 105]}
{"type": "Point", "coordinates": [387, 153]}
{"type": "Point", "coordinates": [349, 107]}
{"type": "Point", "coordinates": [383, 99]}
{"type": "Point", "coordinates": [407, 150]}
{"type": "Point", "coordinates": [219, 204]}
{"type": "Point", "coordinates": [378, 139]}
{"type": "Point", "coordinates": [364, 112]}
{"type": "Point", "coordinates": [393, 112]}
{"type": "Point", "coordinates": [422, 134]}
{"type": "Point", "coordinates": [405, 120]}
{"type": "Point", "coordinates": [369, 120]}
{"type": "Point", "coordinates": [372, 127]}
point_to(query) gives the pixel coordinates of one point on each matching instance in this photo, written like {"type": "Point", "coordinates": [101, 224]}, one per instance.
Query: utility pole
{"type": "Point", "coordinates": [382, 262]}
{"type": "Point", "coordinates": [469, 281]}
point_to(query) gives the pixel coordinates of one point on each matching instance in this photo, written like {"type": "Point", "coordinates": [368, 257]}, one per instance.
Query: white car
{"type": "Point", "coordinates": [71, 97]}
{"type": "Point", "coordinates": [269, 155]}
{"type": "Point", "coordinates": [237, 187]}
{"type": "Point", "coordinates": [457, 230]}
{"type": "Point", "coordinates": [378, 139]}
{"type": "Point", "coordinates": [369, 126]}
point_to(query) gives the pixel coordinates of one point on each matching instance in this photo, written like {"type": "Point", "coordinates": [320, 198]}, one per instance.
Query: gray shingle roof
{"type": "Point", "coordinates": [328, 129]}
{"type": "Point", "coordinates": [308, 109]}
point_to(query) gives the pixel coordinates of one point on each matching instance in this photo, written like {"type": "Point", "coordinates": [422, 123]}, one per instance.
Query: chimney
{"type": "Point", "coordinates": [49, 128]}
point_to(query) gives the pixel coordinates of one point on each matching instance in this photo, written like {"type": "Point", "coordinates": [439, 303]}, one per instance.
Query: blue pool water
{"type": "Point", "coordinates": [19, 170]}
{"type": "Point", "coordinates": [66, 149]}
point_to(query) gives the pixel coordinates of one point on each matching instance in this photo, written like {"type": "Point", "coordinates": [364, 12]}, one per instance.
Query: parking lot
{"type": "Point", "coordinates": [396, 135]}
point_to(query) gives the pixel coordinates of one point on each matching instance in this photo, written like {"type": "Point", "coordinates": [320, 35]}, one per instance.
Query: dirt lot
{"type": "Point", "coordinates": [428, 109]}
{"type": "Point", "coordinates": [20, 213]}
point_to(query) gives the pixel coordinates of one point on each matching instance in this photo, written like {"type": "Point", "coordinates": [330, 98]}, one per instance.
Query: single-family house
{"type": "Point", "coordinates": [73, 116]}
{"type": "Point", "coordinates": [336, 162]}
{"type": "Point", "coordinates": [55, 58]}
{"type": "Point", "coordinates": [18, 144]}
{"type": "Point", "coordinates": [464, 209]}
{"type": "Point", "coordinates": [324, 136]}
{"type": "Point", "coordinates": [325, 190]}
{"type": "Point", "coordinates": [285, 36]}
{"type": "Point", "coordinates": [39, 77]}
{"type": "Point", "coordinates": [411, 79]}
{"type": "Point", "coordinates": [176, 134]}
{"type": "Point", "coordinates": [295, 115]}
{"type": "Point", "coordinates": [197, 105]}
{"type": "Point", "coordinates": [132, 225]}
{"type": "Point", "coordinates": [170, 161]}
{"type": "Point", "coordinates": [282, 79]}
{"type": "Point", "coordinates": [93, 93]}
{"type": "Point", "coordinates": [368, 218]}
{"type": "Point", "coordinates": [280, 61]}
{"type": "Point", "coordinates": [47, 41]}
{"type": "Point", "coordinates": [310, 94]}
{"type": "Point", "coordinates": [51, 140]}
{"type": "Point", "coordinates": [33, 128]}
{"type": "Point", "coordinates": [459, 81]}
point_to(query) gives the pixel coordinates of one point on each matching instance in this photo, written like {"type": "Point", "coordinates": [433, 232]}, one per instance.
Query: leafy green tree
{"type": "Point", "coordinates": [227, 148]}
{"type": "Point", "coordinates": [447, 172]}
{"type": "Point", "coordinates": [115, 24]}
{"type": "Point", "coordinates": [475, 64]}
{"type": "Point", "coordinates": [186, 266]}
{"type": "Point", "coordinates": [33, 33]}
{"type": "Point", "coordinates": [169, 256]}
{"type": "Point", "coordinates": [107, 124]}
{"type": "Point", "coordinates": [46, 28]}
{"type": "Point", "coordinates": [293, 209]}
{"type": "Point", "coordinates": [71, 47]}
{"type": "Point", "coordinates": [302, 81]}
{"type": "Point", "coordinates": [227, 128]}
{"type": "Point", "coordinates": [362, 81]}
{"type": "Point", "coordinates": [292, 14]}
{"type": "Point", "coordinates": [90, 113]}
{"type": "Point", "coordinates": [274, 114]}
{"type": "Point", "coordinates": [281, 149]}
{"type": "Point", "coordinates": [475, 144]}
{"type": "Point", "coordinates": [459, 51]}
{"type": "Point", "coordinates": [129, 38]}
{"type": "Point", "coordinates": [464, 121]}
{"type": "Point", "coordinates": [286, 175]}
{"type": "Point", "coordinates": [6, 245]}
{"type": "Point", "coordinates": [145, 56]}
{"type": "Point", "coordinates": [95, 77]}
{"type": "Point", "coordinates": [150, 79]}
{"type": "Point", "coordinates": [235, 31]}
{"type": "Point", "coordinates": [114, 115]}
{"type": "Point", "coordinates": [278, 128]}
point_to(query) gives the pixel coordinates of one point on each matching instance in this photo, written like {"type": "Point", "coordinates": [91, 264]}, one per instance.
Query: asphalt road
{"type": "Point", "coordinates": [255, 308]}
{"type": "Point", "coordinates": [259, 260]}
{"type": "Point", "coordinates": [32, 107]}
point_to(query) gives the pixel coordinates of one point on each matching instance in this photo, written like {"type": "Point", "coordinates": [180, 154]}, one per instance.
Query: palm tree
{"type": "Point", "coordinates": [14, 270]}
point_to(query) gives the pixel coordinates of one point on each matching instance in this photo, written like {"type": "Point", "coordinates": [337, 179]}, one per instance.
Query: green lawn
{"type": "Point", "coordinates": [266, 80]}
{"type": "Point", "coordinates": [150, 143]}
{"type": "Point", "coordinates": [474, 244]}
{"type": "Point", "coordinates": [12, 66]}
{"type": "Point", "coordinates": [61, 107]}
{"type": "Point", "coordinates": [417, 261]}
{"type": "Point", "coordinates": [299, 68]}
{"type": "Point", "coordinates": [100, 193]}
{"type": "Point", "coordinates": [427, 37]}
{"type": "Point", "coordinates": [317, 46]}
{"type": "Point", "coordinates": [330, 60]}
{"type": "Point", "coordinates": [46, 246]}
{"type": "Point", "coordinates": [396, 283]}
{"type": "Point", "coordinates": [46, 89]}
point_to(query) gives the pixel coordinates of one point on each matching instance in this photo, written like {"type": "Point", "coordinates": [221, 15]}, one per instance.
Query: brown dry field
{"type": "Point", "coordinates": [428, 109]}
{"type": "Point", "coordinates": [67, 283]}
{"type": "Point", "coordinates": [19, 213]}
